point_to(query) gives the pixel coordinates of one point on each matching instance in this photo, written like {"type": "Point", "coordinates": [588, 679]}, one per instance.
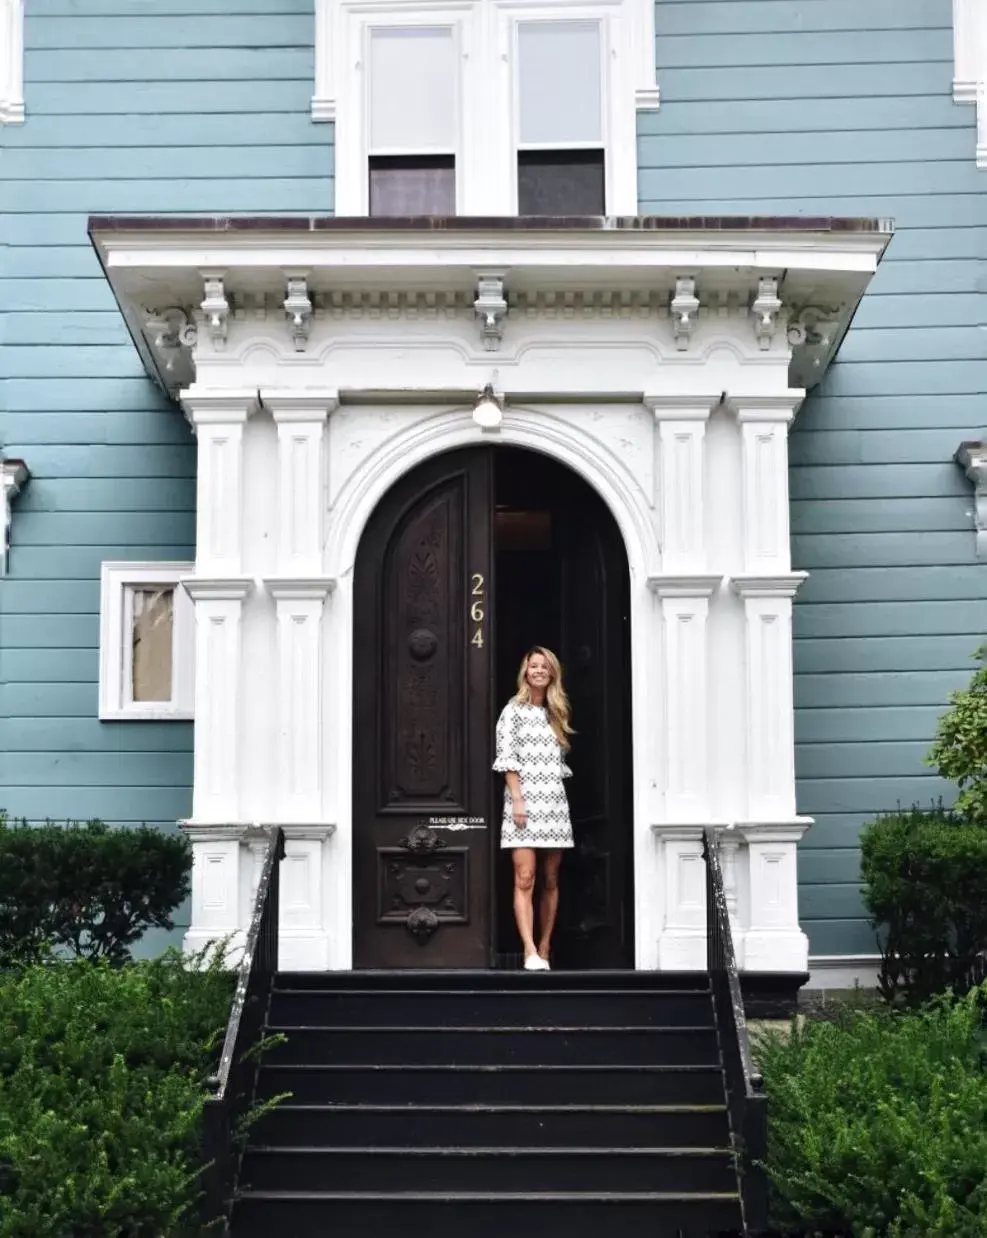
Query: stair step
{"type": "Point", "coordinates": [463, 1126]}
{"type": "Point", "coordinates": [483, 1085]}
{"type": "Point", "coordinates": [386, 1170]}
{"type": "Point", "coordinates": [457, 980]}
{"type": "Point", "coordinates": [486, 1007]}
{"type": "Point", "coordinates": [449, 1214]}
{"type": "Point", "coordinates": [522, 1046]}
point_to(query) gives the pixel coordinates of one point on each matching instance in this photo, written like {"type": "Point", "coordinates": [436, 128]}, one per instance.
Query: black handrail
{"type": "Point", "coordinates": [233, 1087]}
{"type": "Point", "coordinates": [747, 1103]}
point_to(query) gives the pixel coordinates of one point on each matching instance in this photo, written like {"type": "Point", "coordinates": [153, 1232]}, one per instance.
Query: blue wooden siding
{"type": "Point", "coordinates": [843, 107]}
{"type": "Point", "coordinates": [179, 107]}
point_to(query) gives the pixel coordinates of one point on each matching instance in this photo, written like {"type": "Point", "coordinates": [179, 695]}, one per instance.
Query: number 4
{"type": "Point", "coordinates": [477, 638]}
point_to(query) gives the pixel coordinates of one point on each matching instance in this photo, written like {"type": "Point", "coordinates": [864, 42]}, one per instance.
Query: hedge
{"type": "Point", "coordinates": [877, 1122]}
{"type": "Point", "coordinates": [102, 1085]}
{"type": "Point", "coordinates": [86, 889]}
{"type": "Point", "coordinates": [925, 886]}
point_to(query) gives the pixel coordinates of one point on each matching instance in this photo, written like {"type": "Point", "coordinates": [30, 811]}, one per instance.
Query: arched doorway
{"type": "Point", "coordinates": [470, 558]}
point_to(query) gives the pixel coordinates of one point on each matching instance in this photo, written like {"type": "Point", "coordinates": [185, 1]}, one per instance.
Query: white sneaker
{"type": "Point", "coordinates": [534, 962]}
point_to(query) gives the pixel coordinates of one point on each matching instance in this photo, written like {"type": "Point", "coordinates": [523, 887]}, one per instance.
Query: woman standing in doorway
{"type": "Point", "coordinates": [532, 740]}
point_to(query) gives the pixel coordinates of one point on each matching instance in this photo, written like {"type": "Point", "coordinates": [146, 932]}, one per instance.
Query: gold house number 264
{"type": "Point", "coordinates": [477, 612]}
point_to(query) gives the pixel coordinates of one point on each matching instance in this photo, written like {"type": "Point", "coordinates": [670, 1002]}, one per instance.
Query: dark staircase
{"type": "Point", "coordinates": [507, 1104]}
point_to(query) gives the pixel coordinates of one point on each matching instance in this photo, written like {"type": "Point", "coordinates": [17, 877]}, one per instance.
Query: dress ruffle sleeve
{"type": "Point", "coordinates": [507, 757]}
{"type": "Point", "coordinates": [566, 771]}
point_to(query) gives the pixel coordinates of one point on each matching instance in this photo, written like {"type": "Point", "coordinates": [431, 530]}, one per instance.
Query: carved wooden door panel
{"type": "Point", "coordinates": [597, 908]}
{"type": "Point", "coordinates": [422, 725]}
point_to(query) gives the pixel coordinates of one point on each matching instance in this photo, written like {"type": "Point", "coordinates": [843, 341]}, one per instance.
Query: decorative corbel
{"type": "Point", "coordinates": [15, 474]}
{"type": "Point", "coordinates": [685, 308]}
{"type": "Point", "coordinates": [490, 308]}
{"type": "Point", "coordinates": [764, 310]}
{"type": "Point", "coordinates": [216, 308]}
{"type": "Point", "coordinates": [972, 459]}
{"type": "Point", "coordinates": [298, 307]}
{"type": "Point", "coordinates": [171, 334]}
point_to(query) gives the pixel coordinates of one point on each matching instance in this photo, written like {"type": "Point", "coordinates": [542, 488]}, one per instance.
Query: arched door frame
{"type": "Point", "coordinates": [563, 439]}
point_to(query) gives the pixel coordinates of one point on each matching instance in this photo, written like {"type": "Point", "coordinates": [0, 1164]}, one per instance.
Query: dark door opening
{"type": "Point", "coordinates": [468, 561]}
{"type": "Point", "coordinates": [561, 580]}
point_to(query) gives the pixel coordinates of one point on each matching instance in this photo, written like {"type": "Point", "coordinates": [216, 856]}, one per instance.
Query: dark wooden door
{"type": "Point", "coordinates": [422, 720]}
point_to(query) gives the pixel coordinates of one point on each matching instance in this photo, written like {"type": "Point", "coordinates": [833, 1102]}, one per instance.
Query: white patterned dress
{"type": "Point", "coordinates": [527, 745]}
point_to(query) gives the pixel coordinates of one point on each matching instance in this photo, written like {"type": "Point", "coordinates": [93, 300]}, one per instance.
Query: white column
{"type": "Point", "coordinates": [215, 887]}
{"type": "Point", "coordinates": [684, 602]}
{"type": "Point", "coordinates": [764, 422]}
{"type": "Point", "coordinates": [218, 418]}
{"type": "Point", "coordinates": [681, 422]}
{"type": "Point", "coordinates": [218, 611]}
{"type": "Point", "coordinates": [300, 757]}
{"type": "Point", "coordinates": [770, 711]}
{"type": "Point", "coordinates": [773, 940]}
{"type": "Point", "coordinates": [682, 936]}
{"type": "Point", "coordinates": [301, 418]}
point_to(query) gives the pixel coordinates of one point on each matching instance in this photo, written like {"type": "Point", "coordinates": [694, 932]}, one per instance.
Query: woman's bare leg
{"type": "Point", "coordinates": [524, 897]}
{"type": "Point", "coordinates": [548, 904]}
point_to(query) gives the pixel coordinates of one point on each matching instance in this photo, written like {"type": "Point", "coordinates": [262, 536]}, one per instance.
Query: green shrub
{"type": "Point", "coordinates": [960, 749]}
{"type": "Point", "coordinates": [87, 889]}
{"type": "Point", "coordinates": [102, 1085]}
{"type": "Point", "coordinates": [877, 1123]}
{"type": "Point", "coordinates": [925, 886]}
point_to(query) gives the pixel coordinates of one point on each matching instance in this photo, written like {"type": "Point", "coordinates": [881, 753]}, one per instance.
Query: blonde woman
{"type": "Point", "coordinates": [532, 740]}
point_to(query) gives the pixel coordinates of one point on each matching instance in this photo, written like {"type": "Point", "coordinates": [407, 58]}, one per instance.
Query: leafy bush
{"type": "Point", "coordinates": [925, 886]}
{"type": "Point", "coordinates": [877, 1123]}
{"type": "Point", "coordinates": [88, 889]}
{"type": "Point", "coordinates": [102, 1085]}
{"type": "Point", "coordinates": [960, 749]}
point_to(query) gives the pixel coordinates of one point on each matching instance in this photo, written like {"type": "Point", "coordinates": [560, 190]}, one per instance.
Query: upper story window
{"type": "Point", "coordinates": [485, 107]}
{"type": "Point", "coordinates": [561, 160]}
{"type": "Point", "coordinates": [412, 130]}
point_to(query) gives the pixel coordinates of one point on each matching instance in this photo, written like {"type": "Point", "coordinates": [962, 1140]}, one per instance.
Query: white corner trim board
{"type": "Point", "coordinates": [970, 64]}
{"type": "Point", "coordinates": [118, 581]}
{"type": "Point", "coordinates": [11, 62]}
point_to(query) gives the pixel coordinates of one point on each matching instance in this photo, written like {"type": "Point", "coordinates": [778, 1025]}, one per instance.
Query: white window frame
{"type": "Point", "coordinates": [486, 153]}
{"type": "Point", "coordinates": [970, 64]}
{"type": "Point", "coordinates": [118, 580]}
{"type": "Point", "coordinates": [11, 62]}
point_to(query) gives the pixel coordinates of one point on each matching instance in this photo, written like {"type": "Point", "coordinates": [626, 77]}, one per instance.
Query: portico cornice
{"type": "Point", "coordinates": [774, 290]}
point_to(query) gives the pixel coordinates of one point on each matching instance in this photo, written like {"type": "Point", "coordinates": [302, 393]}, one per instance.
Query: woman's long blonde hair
{"type": "Point", "coordinates": [556, 701]}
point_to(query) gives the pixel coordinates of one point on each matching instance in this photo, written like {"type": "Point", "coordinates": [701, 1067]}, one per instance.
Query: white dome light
{"type": "Point", "coordinates": [487, 412]}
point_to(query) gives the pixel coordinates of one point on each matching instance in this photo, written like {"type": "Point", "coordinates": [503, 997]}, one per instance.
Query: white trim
{"type": "Point", "coordinates": [843, 971]}
{"type": "Point", "coordinates": [970, 64]}
{"type": "Point", "coordinates": [15, 474]}
{"type": "Point", "coordinates": [118, 580]}
{"type": "Point", "coordinates": [11, 62]}
{"type": "Point", "coordinates": [972, 459]}
{"type": "Point", "coordinates": [486, 146]}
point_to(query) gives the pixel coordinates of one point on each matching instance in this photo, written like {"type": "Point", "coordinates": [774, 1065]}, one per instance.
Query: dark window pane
{"type": "Point", "coordinates": [412, 185]}
{"type": "Point", "coordinates": [560, 182]}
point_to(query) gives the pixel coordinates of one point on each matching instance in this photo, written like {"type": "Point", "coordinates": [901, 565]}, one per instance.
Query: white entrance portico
{"type": "Point", "coordinates": [318, 360]}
